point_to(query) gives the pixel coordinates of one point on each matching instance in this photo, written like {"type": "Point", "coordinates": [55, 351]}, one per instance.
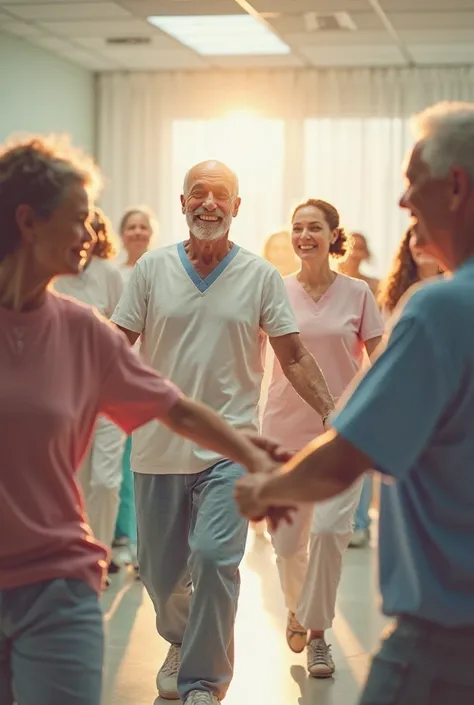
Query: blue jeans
{"type": "Point", "coordinates": [191, 534]}
{"type": "Point", "coordinates": [362, 518]}
{"type": "Point", "coordinates": [422, 663]}
{"type": "Point", "coordinates": [51, 644]}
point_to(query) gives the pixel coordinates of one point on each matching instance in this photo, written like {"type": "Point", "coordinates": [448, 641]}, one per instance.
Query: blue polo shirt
{"type": "Point", "coordinates": [413, 415]}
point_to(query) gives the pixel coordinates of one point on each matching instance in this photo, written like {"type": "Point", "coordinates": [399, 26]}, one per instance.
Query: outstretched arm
{"type": "Point", "coordinates": [325, 468]}
{"type": "Point", "coordinates": [204, 426]}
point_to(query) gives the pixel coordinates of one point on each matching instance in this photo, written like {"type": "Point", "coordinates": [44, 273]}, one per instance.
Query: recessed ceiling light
{"type": "Point", "coordinates": [219, 35]}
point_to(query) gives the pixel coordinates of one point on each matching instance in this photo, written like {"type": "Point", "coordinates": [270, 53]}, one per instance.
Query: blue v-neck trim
{"type": "Point", "coordinates": [203, 284]}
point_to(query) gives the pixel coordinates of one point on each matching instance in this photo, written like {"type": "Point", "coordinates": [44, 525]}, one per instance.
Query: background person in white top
{"type": "Point", "coordinates": [100, 476]}
{"type": "Point", "coordinates": [201, 305]}
{"type": "Point", "coordinates": [136, 229]}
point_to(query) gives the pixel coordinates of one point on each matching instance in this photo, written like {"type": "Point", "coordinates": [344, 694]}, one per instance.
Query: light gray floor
{"type": "Point", "coordinates": [267, 673]}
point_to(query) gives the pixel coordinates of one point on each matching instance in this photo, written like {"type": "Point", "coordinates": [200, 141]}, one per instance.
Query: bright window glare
{"type": "Point", "coordinates": [254, 148]}
{"type": "Point", "coordinates": [219, 35]}
{"type": "Point", "coordinates": [349, 162]}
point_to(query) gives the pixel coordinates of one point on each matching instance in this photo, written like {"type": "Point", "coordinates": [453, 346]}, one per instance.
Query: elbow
{"type": "Point", "coordinates": [180, 418]}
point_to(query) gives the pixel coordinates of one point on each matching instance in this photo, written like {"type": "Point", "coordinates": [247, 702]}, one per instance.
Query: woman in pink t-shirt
{"type": "Point", "coordinates": [61, 365]}
{"type": "Point", "coordinates": [339, 323]}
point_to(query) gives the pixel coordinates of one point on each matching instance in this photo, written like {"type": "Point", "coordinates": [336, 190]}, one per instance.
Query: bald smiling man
{"type": "Point", "coordinates": [201, 305]}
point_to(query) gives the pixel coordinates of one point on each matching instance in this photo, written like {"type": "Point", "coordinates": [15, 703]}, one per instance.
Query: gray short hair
{"type": "Point", "coordinates": [232, 175]}
{"type": "Point", "coordinates": [446, 132]}
{"type": "Point", "coordinates": [36, 171]}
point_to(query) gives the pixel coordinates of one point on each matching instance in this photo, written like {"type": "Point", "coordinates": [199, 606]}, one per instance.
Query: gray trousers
{"type": "Point", "coordinates": [422, 663]}
{"type": "Point", "coordinates": [191, 541]}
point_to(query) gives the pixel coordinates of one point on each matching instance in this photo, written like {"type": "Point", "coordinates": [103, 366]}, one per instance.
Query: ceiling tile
{"type": "Point", "coordinates": [46, 2]}
{"type": "Point", "coordinates": [438, 36]}
{"type": "Point", "coordinates": [91, 61]}
{"type": "Point", "coordinates": [340, 39]}
{"type": "Point", "coordinates": [21, 29]}
{"type": "Point", "coordinates": [295, 24]}
{"type": "Point", "coordinates": [295, 7]}
{"type": "Point", "coordinates": [381, 55]}
{"type": "Point", "coordinates": [138, 58]}
{"type": "Point", "coordinates": [426, 5]}
{"type": "Point", "coordinates": [51, 43]}
{"type": "Point", "coordinates": [159, 43]}
{"type": "Point", "coordinates": [443, 54]}
{"type": "Point", "coordinates": [101, 28]}
{"type": "Point", "coordinates": [68, 11]}
{"type": "Point", "coordinates": [246, 62]}
{"type": "Point", "coordinates": [437, 32]}
{"type": "Point", "coordinates": [432, 20]}
{"type": "Point", "coordinates": [145, 8]}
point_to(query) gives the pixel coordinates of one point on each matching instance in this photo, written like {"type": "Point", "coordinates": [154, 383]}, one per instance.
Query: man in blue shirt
{"type": "Point", "coordinates": [412, 418]}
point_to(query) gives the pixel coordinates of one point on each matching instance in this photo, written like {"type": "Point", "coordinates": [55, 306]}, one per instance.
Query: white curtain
{"type": "Point", "coordinates": [355, 163]}
{"type": "Point", "coordinates": [334, 134]}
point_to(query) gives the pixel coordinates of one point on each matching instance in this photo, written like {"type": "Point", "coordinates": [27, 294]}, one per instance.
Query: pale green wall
{"type": "Point", "coordinates": [41, 92]}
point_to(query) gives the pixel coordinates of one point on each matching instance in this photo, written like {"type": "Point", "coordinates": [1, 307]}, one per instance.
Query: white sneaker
{"type": "Point", "coordinates": [201, 697]}
{"type": "Point", "coordinates": [320, 663]}
{"type": "Point", "coordinates": [167, 678]}
{"type": "Point", "coordinates": [296, 635]}
{"type": "Point", "coordinates": [360, 539]}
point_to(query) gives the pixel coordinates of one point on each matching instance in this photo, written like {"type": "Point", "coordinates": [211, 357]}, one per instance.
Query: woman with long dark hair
{"type": "Point", "coordinates": [411, 265]}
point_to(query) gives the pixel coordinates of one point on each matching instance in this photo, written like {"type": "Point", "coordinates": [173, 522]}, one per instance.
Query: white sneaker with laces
{"type": "Point", "coordinates": [320, 663]}
{"type": "Point", "coordinates": [201, 697]}
{"type": "Point", "coordinates": [167, 678]}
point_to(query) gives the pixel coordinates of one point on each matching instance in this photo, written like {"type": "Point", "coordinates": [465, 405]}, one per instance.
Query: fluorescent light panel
{"type": "Point", "coordinates": [222, 35]}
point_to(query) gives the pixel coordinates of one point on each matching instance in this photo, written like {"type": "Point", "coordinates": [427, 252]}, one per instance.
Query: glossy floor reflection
{"type": "Point", "coordinates": [267, 673]}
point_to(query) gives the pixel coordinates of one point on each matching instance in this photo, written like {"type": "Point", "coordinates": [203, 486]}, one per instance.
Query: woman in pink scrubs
{"type": "Point", "coordinates": [339, 322]}
{"type": "Point", "coordinates": [61, 365]}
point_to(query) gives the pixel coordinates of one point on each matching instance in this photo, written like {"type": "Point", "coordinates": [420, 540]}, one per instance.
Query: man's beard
{"type": "Point", "coordinates": [208, 230]}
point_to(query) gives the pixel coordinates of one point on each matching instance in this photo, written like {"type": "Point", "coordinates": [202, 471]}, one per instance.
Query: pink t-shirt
{"type": "Point", "coordinates": [60, 366]}
{"type": "Point", "coordinates": [334, 331]}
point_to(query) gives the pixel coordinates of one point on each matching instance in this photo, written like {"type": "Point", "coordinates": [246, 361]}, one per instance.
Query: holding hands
{"type": "Point", "coordinates": [249, 492]}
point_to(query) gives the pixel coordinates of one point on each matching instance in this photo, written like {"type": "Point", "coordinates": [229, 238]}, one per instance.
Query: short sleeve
{"type": "Point", "coordinates": [398, 404]}
{"type": "Point", "coordinates": [371, 324]}
{"type": "Point", "coordinates": [131, 310]}
{"type": "Point", "coordinates": [276, 317]}
{"type": "Point", "coordinates": [115, 289]}
{"type": "Point", "coordinates": [131, 393]}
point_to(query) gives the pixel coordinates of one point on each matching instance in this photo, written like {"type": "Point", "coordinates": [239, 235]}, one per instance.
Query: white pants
{"type": "Point", "coordinates": [310, 580]}
{"type": "Point", "coordinates": [100, 478]}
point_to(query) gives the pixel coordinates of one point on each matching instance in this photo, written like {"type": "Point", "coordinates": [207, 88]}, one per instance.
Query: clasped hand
{"type": "Point", "coordinates": [249, 488]}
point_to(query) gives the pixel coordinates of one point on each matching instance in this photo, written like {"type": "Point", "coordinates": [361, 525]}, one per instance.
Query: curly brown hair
{"type": "Point", "coordinates": [338, 248]}
{"type": "Point", "coordinates": [104, 247]}
{"type": "Point", "coordinates": [403, 275]}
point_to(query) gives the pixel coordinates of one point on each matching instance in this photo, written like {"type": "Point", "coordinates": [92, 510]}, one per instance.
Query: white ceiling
{"type": "Point", "coordinates": [389, 32]}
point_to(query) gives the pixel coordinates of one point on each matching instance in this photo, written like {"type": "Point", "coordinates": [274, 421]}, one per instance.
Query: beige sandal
{"type": "Point", "coordinates": [296, 634]}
